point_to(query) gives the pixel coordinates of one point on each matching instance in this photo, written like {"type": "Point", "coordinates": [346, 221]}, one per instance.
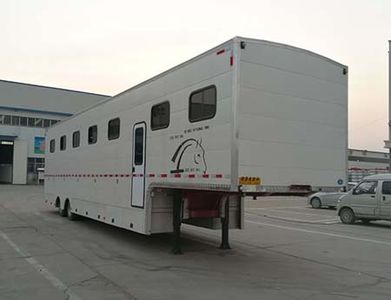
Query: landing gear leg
{"type": "Point", "coordinates": [177, 220]}
{"type": "Point", "coordinates": [225, 226]}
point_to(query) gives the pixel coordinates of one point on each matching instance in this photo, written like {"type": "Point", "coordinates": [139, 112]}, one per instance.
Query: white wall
{"type": "Point", "coordinates": [20, 162]}
{"type": "Point", "coordinates": [26, 134]}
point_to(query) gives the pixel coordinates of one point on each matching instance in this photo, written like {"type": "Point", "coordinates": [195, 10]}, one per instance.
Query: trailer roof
{"type": "Point", "coordinates": [198, 57]}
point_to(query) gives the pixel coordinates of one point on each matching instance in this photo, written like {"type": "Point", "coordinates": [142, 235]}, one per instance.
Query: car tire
{"type": "Point", "coordinates": [316, 203]}
{"type": "Point", "coordinates": [70, 215]}
{"type": "Point", "coordinates": [347, 216]}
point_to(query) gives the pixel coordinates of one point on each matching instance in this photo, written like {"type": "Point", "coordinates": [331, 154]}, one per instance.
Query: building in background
{"type": "Point", "coordinates": [25, 111]}
{"type": "Point", "coordinates": [363, 163]}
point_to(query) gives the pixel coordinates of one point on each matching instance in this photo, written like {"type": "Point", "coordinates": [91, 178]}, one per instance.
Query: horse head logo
{"type": "Point", "coordinates": [189, 156]}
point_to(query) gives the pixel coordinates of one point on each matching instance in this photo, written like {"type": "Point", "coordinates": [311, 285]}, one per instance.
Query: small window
{"type": "Point", "coordinates": [38, 122]}
{"type": "Point", "coordinates": [160, 116]}
{"type": "Point", "coordinates": [63, 143]}
{"type": "Point", "coordinates": [52, 122]}
{"type": "Point", "coordinates": [139, 146]}
{"type": "Point", "coordinates": [52, 146]}
{"type": "Point", "coordinates": [15, 120]}
{"type": "Point", "coordinates": [7, 120]}
{"type": "Point", "coordinates": [113, 129]}
{"type": "Point", "coordinates": [23, 121]}
{"type": "Point", "coordinates": [46, 123]}
{"type": "Point", "coordinates": [76, 139]}
{"type": "Point", "coordinates": [31, 122]}
{"type": "Point", "coordinates": [202, 104]}
{"type": "Point", "coordinates": [92, 134]}
{"type": "Point", "coordinates": [386, 188]}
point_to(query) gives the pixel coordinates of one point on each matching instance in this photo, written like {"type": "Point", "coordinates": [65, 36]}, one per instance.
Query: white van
{"type": "Point", "coordinates": [370, 200]}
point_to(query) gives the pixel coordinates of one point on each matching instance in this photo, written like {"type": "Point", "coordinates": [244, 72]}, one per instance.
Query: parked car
{"type": "Point", "coordinates": [370, 200]}
{"type": "Point", "coordinates": [320, 199]}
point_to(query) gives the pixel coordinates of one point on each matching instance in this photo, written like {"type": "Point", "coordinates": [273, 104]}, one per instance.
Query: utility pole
{"type": "Point", "coordinates": [388, 143]}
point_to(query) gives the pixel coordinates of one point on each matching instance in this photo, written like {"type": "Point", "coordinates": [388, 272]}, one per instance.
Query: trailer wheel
{"type": "Point", "coordinates": [315, 203]}
{"type": "Point", "coordinates": [71, 216]}
{"type": "Point", "coordinates": [61, 212]}
{"type": "Point", "coordinates": [347, 216]}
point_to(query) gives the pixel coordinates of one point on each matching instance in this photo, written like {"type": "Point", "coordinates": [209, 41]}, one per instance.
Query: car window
{"type": "Point", "coordinates": [365, 187]}
{"type": "Point", "coordinates": [386, 188]}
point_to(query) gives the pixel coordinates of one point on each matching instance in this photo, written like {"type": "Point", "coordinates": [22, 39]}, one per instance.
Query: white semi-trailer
{"type": "Point", "coordinates": [246, 117]}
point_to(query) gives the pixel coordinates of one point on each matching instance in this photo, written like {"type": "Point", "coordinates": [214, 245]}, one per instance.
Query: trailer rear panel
{"type": "Point", "coordinates": [292, 117]}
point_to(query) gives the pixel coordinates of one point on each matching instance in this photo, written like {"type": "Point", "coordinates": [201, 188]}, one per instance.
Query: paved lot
{"type": "Point", "coordinates": [287, 251]}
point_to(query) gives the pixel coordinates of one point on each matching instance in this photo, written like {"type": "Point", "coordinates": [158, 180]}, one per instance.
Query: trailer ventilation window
{"type": "Point", "coordinates": [160, 116]}
{"type": "Point", "coordinates": [113, 130]}
{"type": "Point", "coordinates": [76, 139]}
{"type": "Point", "coordinates": [202, 104]}
{"type": "Point", "coordinates": [92, 134]}
{"type": "Point", "coordinates": [63, 143]}
{"type": "Point", "coordinates": [52, 146]}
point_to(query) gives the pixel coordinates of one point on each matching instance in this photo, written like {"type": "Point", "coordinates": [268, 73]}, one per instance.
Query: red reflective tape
{"type": "Point", "coordinates": [220, 52]}
{"type": "Point", "coordinates": [151, 175]}
{"type": "Point", "coordinates": [191, 175]}
{"type": "Point", "coordinates": [127, 175]}
{"type": "Point", "coordinates": [163, 175]}
{"type": "Point", "coordinates": [110, 175]}
{"type": "Point", "coordinates": [219, 175]}
{"type": "Point", "coordinates": [231, 61]}
{"type": "Point", "coordinates": [205, 175]}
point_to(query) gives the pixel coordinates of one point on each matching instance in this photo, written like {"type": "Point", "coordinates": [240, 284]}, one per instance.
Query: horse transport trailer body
{"type": "Point", "coordinates": [248, 116]}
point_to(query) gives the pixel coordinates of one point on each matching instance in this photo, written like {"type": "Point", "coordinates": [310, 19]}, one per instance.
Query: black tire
{"type": "Point", "coordinates": [70, 215]}
{"type": "Point", "coordinates": [316, 203]}
{"type": "Point", "coordinates": [347, 216]}
{"type": "Point", "coordinates": [61, 212]}
{"type": "Point", "coordinates": [366, 221]}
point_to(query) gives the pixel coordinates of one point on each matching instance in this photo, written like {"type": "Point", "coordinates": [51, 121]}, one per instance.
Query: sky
{"type": "Point", "coordinates": [108, 46]}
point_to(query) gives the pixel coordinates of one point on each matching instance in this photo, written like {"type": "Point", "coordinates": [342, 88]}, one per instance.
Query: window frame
{"type": "Point", "coordinates": [169, 116]}
{"type": "Point", "coordinates": [369, 192]}
{"type": "Point", "coordinates": [382, 187]}
{"type": "Point", "coordinates": [96, 137]}
{"type": "Point", "coordinates": [73, 139]}
{"type": "Point", "coordinates": [111, 138]}
{"type": "Point", "coordinates": [137, 155]}
{"type": "Point", "coordinates": [63, 142]}
{"type": "Point", "coordinates": [197, 92]}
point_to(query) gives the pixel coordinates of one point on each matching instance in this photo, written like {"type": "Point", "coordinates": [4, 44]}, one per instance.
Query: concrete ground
{"type": "Point", "coordinates": [287, 251]}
